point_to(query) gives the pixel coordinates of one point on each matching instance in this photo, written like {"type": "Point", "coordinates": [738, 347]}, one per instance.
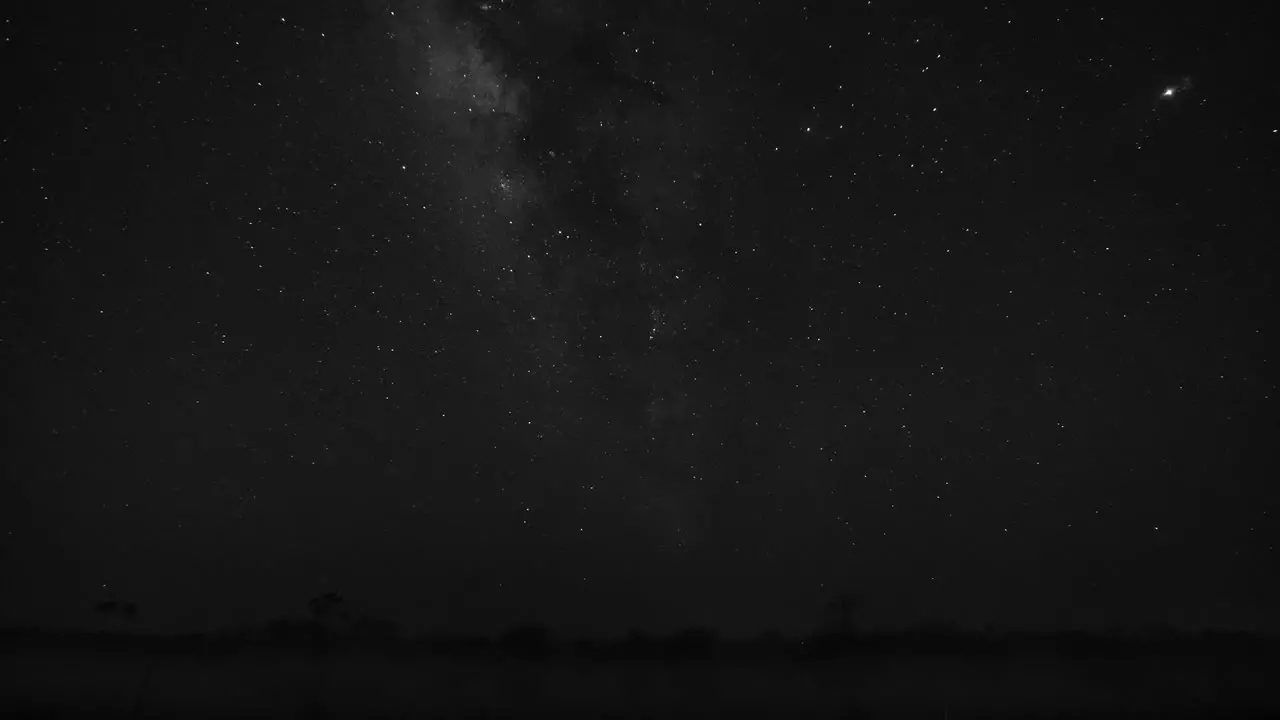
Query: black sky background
{"type": "Point", "coordinates": [640, 315]}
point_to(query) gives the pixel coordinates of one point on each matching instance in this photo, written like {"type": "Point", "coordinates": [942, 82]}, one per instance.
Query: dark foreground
{"type": "Point", "coordinates": [819, 678]}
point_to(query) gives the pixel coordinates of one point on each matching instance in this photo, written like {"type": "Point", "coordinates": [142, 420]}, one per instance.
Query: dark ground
{"type": "Point", "coordinates": [297, 672]}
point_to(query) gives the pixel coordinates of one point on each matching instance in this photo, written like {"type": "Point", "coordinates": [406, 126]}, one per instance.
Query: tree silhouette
{"type": "Point", "coordinates": [107, 609]}
{"type": "Point", "coordinates": [333, 617]}
{"type": "Point", "coordinates": [324, 607]}
{"type": "Point", "coordinates": [326, 615]}
{"type": "Point", "coordinates": [840, 612]}
{"type": "Point", "coordinates": [126, 612]}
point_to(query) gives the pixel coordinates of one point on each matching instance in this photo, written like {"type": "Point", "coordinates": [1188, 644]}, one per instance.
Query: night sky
{"type": "Point", "coordinates": [613, 315]}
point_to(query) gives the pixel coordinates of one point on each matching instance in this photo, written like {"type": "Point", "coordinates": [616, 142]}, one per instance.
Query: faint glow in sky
{"type": "Point", "coordinates": [457, 69]}
{"type": "Point", "coordinates": [475, 109]}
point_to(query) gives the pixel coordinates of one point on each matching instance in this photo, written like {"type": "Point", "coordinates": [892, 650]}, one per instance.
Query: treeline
{"type": "Point", "coordinates": [693, 644]}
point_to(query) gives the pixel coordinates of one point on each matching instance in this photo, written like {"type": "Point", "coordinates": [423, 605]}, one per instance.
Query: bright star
{"type": "Point", "coordinates": [1183, 85]}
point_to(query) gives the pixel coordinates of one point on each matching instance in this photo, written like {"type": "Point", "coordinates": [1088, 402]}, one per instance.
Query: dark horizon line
{"type": "Point", "coordinates": [941, 629]}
